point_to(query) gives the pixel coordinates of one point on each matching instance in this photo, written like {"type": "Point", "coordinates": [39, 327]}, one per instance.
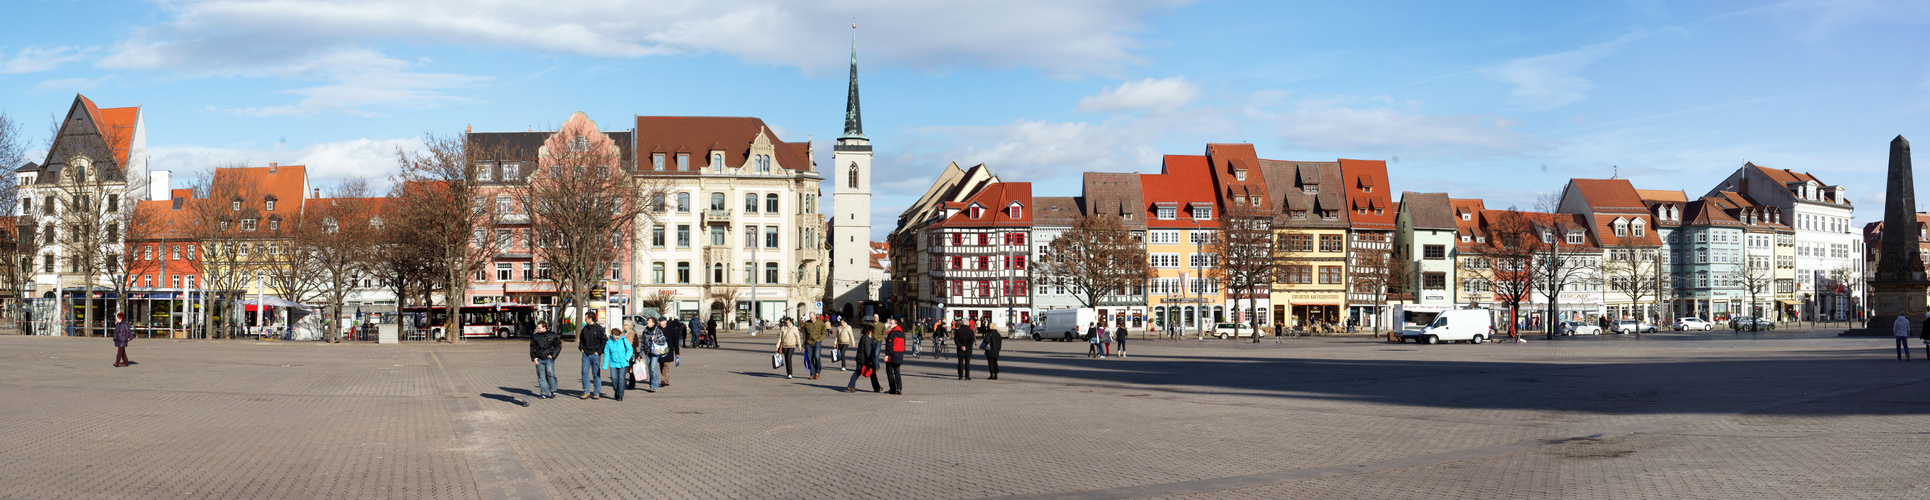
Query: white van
{"type": "Point", "coordinates": [1064, 324]}
{"type": "Point", "coordinates": [1473, 325]}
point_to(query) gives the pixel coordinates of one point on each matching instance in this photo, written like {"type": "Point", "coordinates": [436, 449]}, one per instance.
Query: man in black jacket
{"type": "Point", "coordinates": [992, 345]}
{"type": "Point", "coordinates": [544, 345]}
{"type": "Point", "coordinates": [894, 356]}
{"type": "Point", "coordinates": [965, 336]}
{"type": "Point", "coordinates": [589, 340]}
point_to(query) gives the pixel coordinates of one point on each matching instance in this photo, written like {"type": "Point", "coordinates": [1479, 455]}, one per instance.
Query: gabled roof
{"type": "Point", "coordinates": [1287, 182]}
{"type": "Point", "coordinates": [1428, 210]}
{"type": "Point", "coordinates": [699, 135]}
{"type": "Point", "coordinates": [287, 184]}
{"type": "Point", "coordinates": [880, 254]}
{"type": "Point", "coordinates": [1114, 194]}
{"type": "Point", "coordinates": [1610, 195]}
{"type": "Point", "coordinates": [1228, 160]}
{"type": "Point", "coordinates": [1675, 195]}
{"type": "Point", "coordinates": [994, 199]}
{"type": "Point", "coordinates": [1055, 210]}
{"type": "Point", "coordinates": [1367, 189]}
{"type": "Point", "coordinates": [1471, 226]}
{"type": "Point", "coordinates": [1783, 175]}
{"type": "Point", "coordinates": [1184, 180]}
{"type": "Point", "coordinates": [1708, 211]}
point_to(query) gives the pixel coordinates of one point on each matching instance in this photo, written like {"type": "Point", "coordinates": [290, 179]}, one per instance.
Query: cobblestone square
{"type": "Point", "coordinates": [1696, 415]}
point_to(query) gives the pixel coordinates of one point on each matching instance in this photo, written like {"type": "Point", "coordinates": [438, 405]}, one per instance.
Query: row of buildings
{"type": "Point", "coordinates": [1350, 250]}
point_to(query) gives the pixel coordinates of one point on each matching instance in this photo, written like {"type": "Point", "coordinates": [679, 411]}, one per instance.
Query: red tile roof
{"type": "Point", "coordinates": [287, 184]}
{"type": "Point", "coordinates": [994, 199]}
{"type": "Point", "coordinates": [699, 135]}
{"type": "Point", "coordinates": [1469, 226]}
{"type": "Point", "coordinates": [1368, 189]}
{"type": "Point", "coordinates": [116, 125]}
{"type": "Point", "coordinates": [1227, 160]}
{"type": "Point", "coordinates": [1184, 180]}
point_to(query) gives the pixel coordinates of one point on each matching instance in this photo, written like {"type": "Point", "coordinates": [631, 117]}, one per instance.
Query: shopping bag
{"type": "Point", "coordinates": [864, 372]}
{"type": "Point", "coordinates": [837, 355]}
{"type": "Point", "coordinates": [777, 360]}
{"type": "Point", "coordinates": [640, 376]}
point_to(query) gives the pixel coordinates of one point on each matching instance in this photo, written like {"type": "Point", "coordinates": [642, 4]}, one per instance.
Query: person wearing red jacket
{"type": "Point", "coordinates": [894, 356]}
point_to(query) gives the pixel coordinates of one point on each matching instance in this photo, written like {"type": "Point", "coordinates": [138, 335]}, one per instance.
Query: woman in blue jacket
{"type": "Point", "coordinates": [617, 355]}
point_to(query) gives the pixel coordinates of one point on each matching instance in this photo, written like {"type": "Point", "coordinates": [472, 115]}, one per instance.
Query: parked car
{"type": "Point", "coordinates": [1632, 326]}
{"type": "Point", "coordinates": [1227, 330]}
{"type": "Point", "coordinates": [1472, 325]}
{"type": "Point", "coordinates": [1064, 324]}
{"type": "Point", "coordinates": [1686, 324]}
{"type": "Point", "coordinates": [1751, 323]}
{"type": "Point", "coordinates": [1579, 328]}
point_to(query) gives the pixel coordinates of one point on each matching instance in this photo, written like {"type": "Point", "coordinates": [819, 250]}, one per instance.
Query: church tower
{"type": "Point", "coordinates": [851, 279]}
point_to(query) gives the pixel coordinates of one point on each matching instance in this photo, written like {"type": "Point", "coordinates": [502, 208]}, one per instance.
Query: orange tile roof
{"type": "Point", "coordinates": [1469, 226]}
{"type": "Point", "coordinates": [1183, 180]}
{"type": "Point", "coordinates": [1782, 175]}
{"type": "Point", "coordinates": [1662, 195]}
{"type": "Point", "coordinates": [1368, 189]}
{"type": "Point", "coordinates": [116, 125]}
{"type": "Point", "coordinates": [287, 185]}
{"type": "Point", "coordinates": [1225, 160]}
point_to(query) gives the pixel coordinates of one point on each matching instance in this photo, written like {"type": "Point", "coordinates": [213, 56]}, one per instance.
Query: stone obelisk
{"type": "Point", "coordinates": [1898, 288]}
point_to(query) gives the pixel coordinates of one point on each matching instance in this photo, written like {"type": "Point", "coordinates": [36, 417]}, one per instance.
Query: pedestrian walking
{"type": "Point", "coordinates": [993, 342]}
{"type": "Point", "coordinates": [670, 351]}
{"type": "Point", "coordinates": [867, 364]}
{"type": "Point", "coordinates": [787, 343]}
{"type": "Point", "coordinates": [894, 356]}
{"type": "Point", "coordinates": [1092, 339]}
{"type": "Point", "coordinates": [123, 334]}
{"type": "Point", "coordinates": [617, 356]}
{"type": "Point", "coordinates": [1902, 330]}
{"type": "Point", "coordinates": [844, 342]}
{"type": "Point", "coordinates": [652, 343]}
{"type": "Point", "coordinates": [710, 327]}
{"type": "Point", "coordinates": [814, 332]}
{"type": "Point", "coordinates": [1119, 341]}
{"type": "Point", "coordinates": [544, 345]}
{"type": "Point", "coordinates": [590, 340]}
{"type": "Point", "coordinates": [964, 337]}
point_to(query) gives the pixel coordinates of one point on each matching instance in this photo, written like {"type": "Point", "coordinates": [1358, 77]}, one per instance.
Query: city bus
{"type": "Point", "coordinates": [497, 319]}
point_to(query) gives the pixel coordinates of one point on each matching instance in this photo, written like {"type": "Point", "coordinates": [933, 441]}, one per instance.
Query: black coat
{"type": "Point", "coordinates": [545, 345]}
{"type": "Point", "coordinates": [992, 344]}
{"type": "Point", "coordinates": [590, 339]}
{"type": "Point", "coordinates": [964, 338]}
{"type": "Point", "coordinates": [867, 352]}
{"type": "Point", "coordinates": [675, 334]}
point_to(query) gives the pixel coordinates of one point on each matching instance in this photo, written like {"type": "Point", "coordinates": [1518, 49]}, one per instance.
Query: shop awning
{"type": "Point", "coordinates": [270, 301]}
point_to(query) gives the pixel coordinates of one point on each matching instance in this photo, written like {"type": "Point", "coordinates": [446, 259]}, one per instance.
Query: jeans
{"type": "Point", "coordinates": [618, 374]}
{"type": "Point", "coordinates": [811, 361]}
{"type": "Point", "coordinates": [593, 374]}
{"type": "Point", "coordinates": [546, 377]}
{"type": "Point", "coordinates": [853, 384]}
{"type": "Point", "coordinates": [656, 375]}
{"type": "Point", "coordinates": [1903, 348]}
{"type": "Point", "coordinates": [914, 343]}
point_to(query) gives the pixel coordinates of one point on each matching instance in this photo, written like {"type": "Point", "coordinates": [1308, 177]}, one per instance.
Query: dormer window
{"type": "Point", "coordinates": [1329, 214]}
{"type": "Point", "coordinates": [248, 224]}
{"type": "Point", "coordinates": [975, 212]}
{"type": "Point", "coordinates": [512, 171]}
{"type": "Point", "coordinates": [1621, 228]}
{"type": "Point", "coordinates": [1203, 213]}
{"type": "Point", "coordinates": [268, 203]}
{"type": "Point", "coordinates": [1239, 174]}
{"type": "Point", "coordinates": [656, 162]}
{"type": "Point", "coordinates": [1640, 228]}
{"type": "Point", "coordinates": [1297, 214]}
{"type": "Point", "coordinates": [1465, 238]}
{"type": "Point", "coordinates": [717, 161]}
{"type": "Point", "coordinates": [485, 171]}
{"type": "Point", "coordinates": [1015, 211]}
{"type": "Point", "coordinates": [1574, 237]}
{"type": "Point", "coordinates": [1466, 216]}
{"type": "Point", "coordinates": [1311, 189]}
{"type": "Point", "coordinates": [1167, 213]}
{"type": "Point", "coordinates": [683, 161]}
{"type": "Point", "coordinates": [1547, 236]}
{"type": "Point", "coordinates": [235, 205]}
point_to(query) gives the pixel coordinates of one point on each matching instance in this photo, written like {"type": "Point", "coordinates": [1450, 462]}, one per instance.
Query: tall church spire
{"type": "Point", "coordinates": [853, 123]}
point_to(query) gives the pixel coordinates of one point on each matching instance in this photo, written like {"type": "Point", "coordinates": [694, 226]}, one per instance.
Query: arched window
{"type": "Point", "coordinates": [770, 203]}
{"type": "Point", "coordinates": [750, 203]}
{"type": "Point", "coordinates": [854, 177]}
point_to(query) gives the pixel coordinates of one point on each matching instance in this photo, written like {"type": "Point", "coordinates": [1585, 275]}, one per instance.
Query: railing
{"type": "Point", "coordinates": [714, 215]}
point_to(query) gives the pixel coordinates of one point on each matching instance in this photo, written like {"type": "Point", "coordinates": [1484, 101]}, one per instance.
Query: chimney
{"type": "Point", "coordinates": [468, 128]}
{"type": "Point", "coordinates": [318, 192]}
{"type": "Point", "coordinates": [272, 166]}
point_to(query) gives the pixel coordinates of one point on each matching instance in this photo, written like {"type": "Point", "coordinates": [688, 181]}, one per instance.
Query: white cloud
{"type": "Point", "coordinates": [1380, 126]}
{"type": "Point", "coordinates": [361, 79]}
{"type": "Point", "coordinates": [68, 84]}
{"type": "Point", "coordinates": [1554, 80]}
{"type": "Point", "coordinates": [1071, 37]}
{"type": "Point", "coordinates": [34, 59]}
{"type": "Point", "coordinates": [329, 162]}
{"type": "Point", "coordinates": [1032, 150]}
{"type": "Point", "coordinates": [1162, 95]}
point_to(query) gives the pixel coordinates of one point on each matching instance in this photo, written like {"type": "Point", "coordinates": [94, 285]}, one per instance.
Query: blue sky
{"type": "Point", "coordinates": [1498, 101]}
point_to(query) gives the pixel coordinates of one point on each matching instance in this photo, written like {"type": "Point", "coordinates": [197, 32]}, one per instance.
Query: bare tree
{"type": "Point", "coordinates": [723, 293]}
{"type": "Point", "coordinates": [15, 251]}
{"type": "Point", "coordinates": [1638, 272]}
{"type": "Point", "coordinates": [336, 240]}
{"type": "Point", "coordinates": [1244, 249]}
{"type": "Point", "coordinates": [1507, 243]}
{"type": "Point", "coordinates": [1755, 277]}
{"type": "Point", "coordinates": [583, 207]}
{"type": "Point", "coordinates": [1377, 270]}
{"type": "Point", "coordinates": [213, 218]}
{"type": "Point", "coordinates": [1097, 257]}
{"type": "Point", "coordinates": [401, 256]}
{"type": "Point", "coordinates": [1556, 263]}
{"type": "Point", "coordinates": [447, 208]}
{"type": "Point", "coordinates": [660, 298]}
{"type": "Point", "coordinates": [1845, 282]}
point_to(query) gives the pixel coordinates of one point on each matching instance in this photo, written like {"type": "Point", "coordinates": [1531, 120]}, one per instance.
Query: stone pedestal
{"type": "Point", "coordinates": [1887, 300]}
{"type": "Point", "coordinates": [387, 333]}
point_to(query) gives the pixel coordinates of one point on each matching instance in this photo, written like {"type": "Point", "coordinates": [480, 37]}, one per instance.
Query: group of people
{"type": "Point", "coordinates": [655, 344]}
{"type": "Point", "coordinates": [881, 343]}
{"type": "Point", "coordinates": [1102, 341]}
